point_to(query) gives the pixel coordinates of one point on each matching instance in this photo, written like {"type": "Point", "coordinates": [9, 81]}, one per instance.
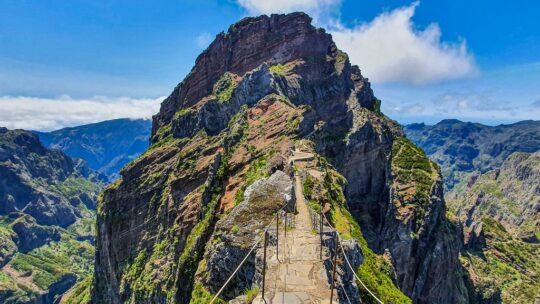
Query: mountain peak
{"type": "Point", "coordinates": [245, 46]}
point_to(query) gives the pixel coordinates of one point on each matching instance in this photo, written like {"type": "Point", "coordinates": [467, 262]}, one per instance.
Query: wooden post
{"type": "Point", "coordinates": [277, 235]}
{"type": "Point", "coordinates": [264, 262]}
{"type": "Point", "coordinates": [321, 230]}
{"type": "Point", "coordinates": [334, 268]}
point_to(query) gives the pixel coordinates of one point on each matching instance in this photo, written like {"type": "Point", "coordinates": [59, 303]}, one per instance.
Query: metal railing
{"type": "Point", "coordinates": [256, 243]}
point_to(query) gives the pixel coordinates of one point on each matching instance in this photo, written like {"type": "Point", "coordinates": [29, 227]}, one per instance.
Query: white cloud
{"type": "Point", "coordinates": [32, 113]}
{"type": "Point", "coordinates": [315, 8]}
{"type": "Point", "coordinates": [203, 40]}
{"type": "Point", "coordinates": [391, 49]}
{"type": "Point", "coordinates": [388, 49]}
{"type": "Point", "coordinates": [480, 106]}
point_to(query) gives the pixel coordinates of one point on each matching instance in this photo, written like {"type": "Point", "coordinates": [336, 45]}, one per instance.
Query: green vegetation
{"type": "Point", "coordinates": [251, 294]}
{"type": "Point", "coordinates": [80, 293]}
{"type": "Point", "coordinates": [505, 265]}
{"type": "Point", "coordinates": [341, 60]}
{"type": "Point", "coordinates": [73, 186]}
{"type": "Point", "coordinates": [239, 196]}
{"type": "Point", "coordinates": [375, 271]}
{"type": "Point", "coordinates": [7, 246]}
{"type": "Point", "coordinates": [279, 69]}
{"type": "Point", "coordinates": [13, 293]}
{"type": "Point", "coordinates": [47, 264]}
{"type": "Point", "coordinates": [224, 87]}
{"type": "Point", "coordinates": [153, 272]}
{"type": "Point", "coordinates": [163, 132]}
{"type": "Point", "coordinates": [256, 171]}
{"type": "Point", "coordinates": [494, 229]}
{"type": "Point", "coordinates": [414, 175]}
{"type": "Point", "coordinates": [182, 112]}
{"type": "Point", "coordinates": [308, 186]}
{"type": "Point", "coordinates": [202, 296]}
{"type": "Point", "coordinates": [293, 122]}
{"type": "Point", "coordinates": [341, 56]}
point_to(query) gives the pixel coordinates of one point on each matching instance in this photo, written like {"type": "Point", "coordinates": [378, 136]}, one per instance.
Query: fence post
{"type": "Point", "coordinates": [264, 262]}
{"type": "Point", "coordinates": [321, 231]}
{"type": "Point", "coordinates": [277, 235]}
{"type": "Point", "coordinates": [334, 268]}
{"type": "Point", "coordinates": [285, 224]}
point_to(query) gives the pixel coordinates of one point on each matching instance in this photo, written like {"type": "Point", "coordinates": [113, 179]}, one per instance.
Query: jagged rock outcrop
{"type": "Point", "coordinates": [268, 84]}
{"type": "Point", "coordinates": [236, 233]}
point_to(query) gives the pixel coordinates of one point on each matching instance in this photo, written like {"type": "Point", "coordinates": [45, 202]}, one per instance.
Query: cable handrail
{"type": "Point", "coordinates": [247, 255]}
{"type": "Point", "coordinates": [341, 285]}
{"type": "Point", "coordinates": [237, 268]}
{"type": "Point", "coordinates": [349, 263]}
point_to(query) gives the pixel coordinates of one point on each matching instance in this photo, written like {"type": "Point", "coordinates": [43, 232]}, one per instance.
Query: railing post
{"type": "Point", "coordinates": [321, 231]}
{"type": "Point", "coordinates": [277, 235]}
{"type": "Point", "coordinates": [285, 224]}
{"type": "Point", "coordinates": [264, 262]}
{"type": "Point", "coordinates": [334, 268]}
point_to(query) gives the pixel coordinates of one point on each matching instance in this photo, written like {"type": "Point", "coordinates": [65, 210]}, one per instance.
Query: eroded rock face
{"type": "Point", "coordinates": [247, 44]}
{"type": "Point", "coordinates": [236, 234]}
{"type": "Point", "coordinates": [183, 205]}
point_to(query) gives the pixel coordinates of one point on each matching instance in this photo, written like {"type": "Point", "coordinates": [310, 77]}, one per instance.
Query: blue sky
{"type": "Point", "coordinates": [65, 63]}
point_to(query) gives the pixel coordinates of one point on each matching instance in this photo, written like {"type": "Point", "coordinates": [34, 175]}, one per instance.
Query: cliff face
{"type": "Point", "coordinates": [195, 199]}
{"type": "Point", "coordinates": [500, 211]}
{"type": "Point", "coordinates": [46, 219]}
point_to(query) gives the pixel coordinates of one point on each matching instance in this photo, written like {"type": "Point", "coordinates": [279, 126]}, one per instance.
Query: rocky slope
{"type": "Point", "coordinates": [501, 213]}
{"type": "Point", "coordinates": [180, 217]}
{"type": "Point", "coordinates": [463, 147]}
{"type": "Point", "coordinates": [106, 146]}
{"type": "Point", "coordinates": [46, 215]}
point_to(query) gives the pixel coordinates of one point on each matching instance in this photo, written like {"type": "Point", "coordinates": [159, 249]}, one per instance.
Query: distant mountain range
{"type": "Point", "coordinates": [49, 183]}
{"type": "Point", "coordinates": [500, 214]}
{"type": "Point", "coordinates": [462, 147]}
{"type": "Point", "coordinates": [493, 178]}
{"type": "Point", "coordinates": [47, 219]}
{"type": "Point", "coordinates": [106, 146]}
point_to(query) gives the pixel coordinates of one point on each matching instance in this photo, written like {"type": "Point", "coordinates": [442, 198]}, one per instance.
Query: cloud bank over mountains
{"type": "Point", "coordinates": [45, 114]}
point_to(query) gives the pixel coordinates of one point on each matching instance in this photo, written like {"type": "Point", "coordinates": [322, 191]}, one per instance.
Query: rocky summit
{"type": "Point", "coordinates": [181, 217]}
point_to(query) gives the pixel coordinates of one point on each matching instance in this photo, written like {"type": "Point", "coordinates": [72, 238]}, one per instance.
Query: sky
{"type": "Point", "coordinates": [66, 63]}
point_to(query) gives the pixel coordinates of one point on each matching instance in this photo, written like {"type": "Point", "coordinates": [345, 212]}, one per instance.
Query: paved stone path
{"type": "Point", "coordinates": [299, 276]}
